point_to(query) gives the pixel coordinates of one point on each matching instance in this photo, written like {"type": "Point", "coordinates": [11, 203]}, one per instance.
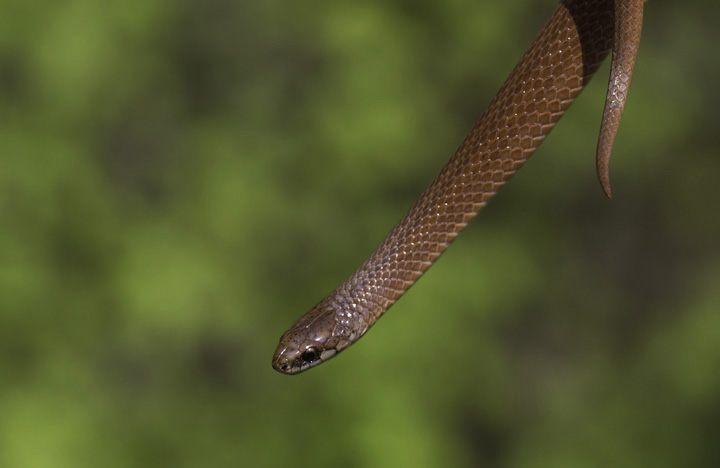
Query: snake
{"type": "Point", "coordinates": [552, 72]}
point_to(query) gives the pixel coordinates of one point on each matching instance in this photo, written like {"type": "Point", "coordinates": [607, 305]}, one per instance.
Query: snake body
{"type": "Point", "coordinates": [550, 75]}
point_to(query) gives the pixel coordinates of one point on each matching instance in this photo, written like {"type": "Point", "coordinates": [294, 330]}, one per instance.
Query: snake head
{"type": "Point", "coordinates": [315, 338]}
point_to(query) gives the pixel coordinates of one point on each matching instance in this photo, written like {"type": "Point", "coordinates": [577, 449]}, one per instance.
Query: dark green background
{"type": "Point", "coordinates": [180, 181]}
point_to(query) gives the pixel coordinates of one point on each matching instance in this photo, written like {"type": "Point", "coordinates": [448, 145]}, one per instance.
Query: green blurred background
{"type": "Point", "coordinates": [181, 181]}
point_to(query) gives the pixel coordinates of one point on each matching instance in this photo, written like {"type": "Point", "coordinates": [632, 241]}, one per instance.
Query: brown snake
{"type": "Point", "coordinates": [555, 68]}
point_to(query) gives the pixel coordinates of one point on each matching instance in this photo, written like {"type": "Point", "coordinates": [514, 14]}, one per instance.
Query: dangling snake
{"type": "Point", "coordinates": [555, 68]}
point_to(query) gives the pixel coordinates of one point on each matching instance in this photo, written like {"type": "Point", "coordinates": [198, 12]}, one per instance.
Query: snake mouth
{"type": "Point", "coordinates": [283, 367]}
{"type": "Point", "coordinates": [282, 360]}
{"type": "Point", "coordinates": [293, 361]}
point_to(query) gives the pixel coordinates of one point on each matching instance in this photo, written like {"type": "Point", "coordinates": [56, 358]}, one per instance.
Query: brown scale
{"type": "Point", "coordinates": [552, 72]}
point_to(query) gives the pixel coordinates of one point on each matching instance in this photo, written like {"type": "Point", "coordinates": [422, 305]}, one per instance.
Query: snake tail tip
{"type": "Point", "coordinates": [606, 189]}
{"type": "Point", "coordinates": [603, 159]}
{"type": "Point", "coordinates": [604, 176]}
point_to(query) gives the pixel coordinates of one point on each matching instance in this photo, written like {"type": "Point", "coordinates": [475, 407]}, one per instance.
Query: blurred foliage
{"type": "Point", "coordinates": [180, 181]}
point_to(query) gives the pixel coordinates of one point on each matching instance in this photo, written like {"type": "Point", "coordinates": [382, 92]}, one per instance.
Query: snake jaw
{"type": "Point", "coordinates": [290, 360]}
{"type": "Point", "coordinates": [308, 342]}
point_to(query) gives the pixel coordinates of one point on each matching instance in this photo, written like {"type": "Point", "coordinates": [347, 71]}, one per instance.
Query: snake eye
{"type": "Point", "coordinates": [311, 354]}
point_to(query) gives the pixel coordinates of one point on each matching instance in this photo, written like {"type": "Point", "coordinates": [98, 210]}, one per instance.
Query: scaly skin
{"type": "Point", "coordinates": [550, 75]}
